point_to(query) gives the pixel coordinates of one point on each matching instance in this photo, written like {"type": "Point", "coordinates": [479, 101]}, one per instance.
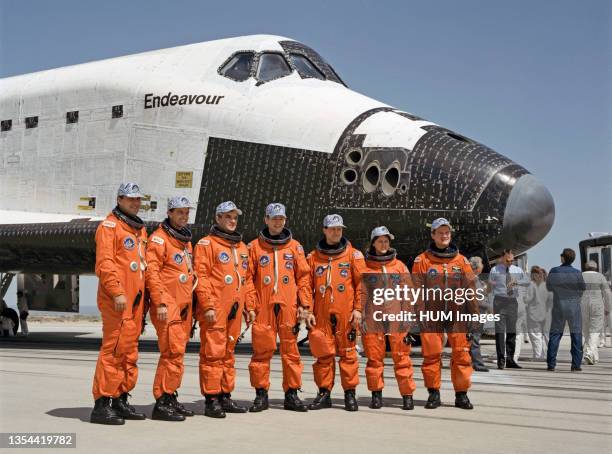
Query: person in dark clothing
{"type": "Point", "coordinates": [567, 285]}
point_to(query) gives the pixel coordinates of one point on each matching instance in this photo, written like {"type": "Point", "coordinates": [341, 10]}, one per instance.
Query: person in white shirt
{"type": "Point", "coordinates": [549, 307]}
{"type": "Point", "coordinates": [538, 302]}
{"type": "Point", "coordinates": [606, 330]}
{"type": "Point", "coordinates": [504, 280]}
{"type": "Point", "coordinates": [595, 302]}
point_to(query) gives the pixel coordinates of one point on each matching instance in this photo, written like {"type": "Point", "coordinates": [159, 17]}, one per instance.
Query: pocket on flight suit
{"type": "Point", "coordinates": [177, 338]}
{"type": "Point", "coordinates": [321, 344]}
{"type": "Point", "coordinates": [374, 345]}
{"type": "Point", "coordinates": [127, 341]}
{"type": "Point", "coordinates": [264, 338]}
{"type": "Point", "coordinates": [346, 339]}
{"type": "Point", "coordinates": [399, 347]}
{"type": "Point", "coordinates": [216, 343]}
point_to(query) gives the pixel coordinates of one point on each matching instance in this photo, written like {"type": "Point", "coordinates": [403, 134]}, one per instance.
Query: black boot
{"type": "Point", "coordinates": [408, 403]}
{"type": "Point", "coordinates": [293, 402]}
{"type": "Point", "coordinates": [213, 408]}
{"type": "Point", "coordinates": [178, 407]}
{"type": "Point", "coordinates": [433, 400]}
{"type": "Point", "coordinates": [350, 403]}
{"type": "Point", "coordinates": [261, 401]}
{"type": "Point", "coordinates": [377, 401]}
{"type": "Point", "coordinates": [124, 409]}
{"type": "Point", "coordinates": [511, 364]}
{"type": "Point", "coordinates": [165, 411]}
{"type": "Point", "coordinates": [103, 413]}
{"type": "Point", "coordinates": [462, 401]}
{"type": "Point", "coordinates": [323, 400]}
{"type": "Point", "coordinates": [230, 406]}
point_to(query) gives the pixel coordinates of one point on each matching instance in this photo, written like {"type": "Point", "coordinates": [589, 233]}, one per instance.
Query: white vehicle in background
{"type": "Point", "coordinates": [598, 247]}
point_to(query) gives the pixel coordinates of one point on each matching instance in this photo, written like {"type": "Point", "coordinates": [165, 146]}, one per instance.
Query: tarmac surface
{"type": "Point", "coordinates": [45, 386]}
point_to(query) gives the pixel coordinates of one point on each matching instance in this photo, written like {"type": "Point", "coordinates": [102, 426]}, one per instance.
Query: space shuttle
{"type": "Point", "coordinates": [253, 119]}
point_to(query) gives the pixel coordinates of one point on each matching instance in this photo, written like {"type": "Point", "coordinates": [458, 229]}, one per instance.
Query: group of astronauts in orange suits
{"type": "Point", "coordinates": [276, 287]}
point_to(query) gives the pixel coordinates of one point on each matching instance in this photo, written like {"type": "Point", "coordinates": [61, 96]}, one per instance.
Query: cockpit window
{"type": "Point", "coordinates": [238, 67]}
{"type": "Point", "coordinates": [272, 66]}
{"type": "Point", "coordinates": [305, 67]}
{"type": "Point", "coordinates": [293, 47]}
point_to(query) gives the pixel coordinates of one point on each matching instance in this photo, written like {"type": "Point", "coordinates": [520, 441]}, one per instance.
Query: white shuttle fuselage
{"type": "Point", "coordinates": [172, 101]}
{"type": "Point", "coordinates": [253, 119]}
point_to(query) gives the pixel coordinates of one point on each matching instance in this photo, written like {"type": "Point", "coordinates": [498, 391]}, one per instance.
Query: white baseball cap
{"type": "Point", "coordinates": [131, 190]}
{"type": "Point", "coordinates": [333, 220]}
{"type": "Point", "coordinates": [276, 210]}
{"type": "Point", "coordinates": [178, 202]}
{"type": "Point", "coordinates": [226, 207]}
{"type": "Point", "coordinates": [380, 231]}
{"type": "Point", "coordinates": [436, 224]}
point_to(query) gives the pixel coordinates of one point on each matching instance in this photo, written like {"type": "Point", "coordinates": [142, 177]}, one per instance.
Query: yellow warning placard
{"type": "Point", "coordinates": [90, 203]}
{"type": "Point", "coordinates": [184, 180]}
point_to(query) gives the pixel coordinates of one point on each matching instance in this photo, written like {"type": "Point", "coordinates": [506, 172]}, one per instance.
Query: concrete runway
{"type": "Point", "coordinates": [46, 387]}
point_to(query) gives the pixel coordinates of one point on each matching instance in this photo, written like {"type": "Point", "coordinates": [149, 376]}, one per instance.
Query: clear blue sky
{"type": "Point", "coordinates": [530, 79]}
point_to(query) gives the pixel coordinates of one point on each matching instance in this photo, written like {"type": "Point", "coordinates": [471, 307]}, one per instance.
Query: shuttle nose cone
{"type": "Point", "coordinates": [529, 214]}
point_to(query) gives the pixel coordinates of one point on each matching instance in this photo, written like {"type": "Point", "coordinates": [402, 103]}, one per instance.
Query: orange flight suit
{"type": "Point", "coordinates": [120, 267]}
{"type": "Point", "coordinates": [280, 273]}
{"type": "Point", "coordinates": [334, 276]}
{"type": "Point", "coordinates": [221, 262]}
{"type": "Point", "coordinates": [389, 272]}
{"type": "Point", "coordinates": [449, 269]}
{"type": "Point", "coordinates": [170, 281]}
